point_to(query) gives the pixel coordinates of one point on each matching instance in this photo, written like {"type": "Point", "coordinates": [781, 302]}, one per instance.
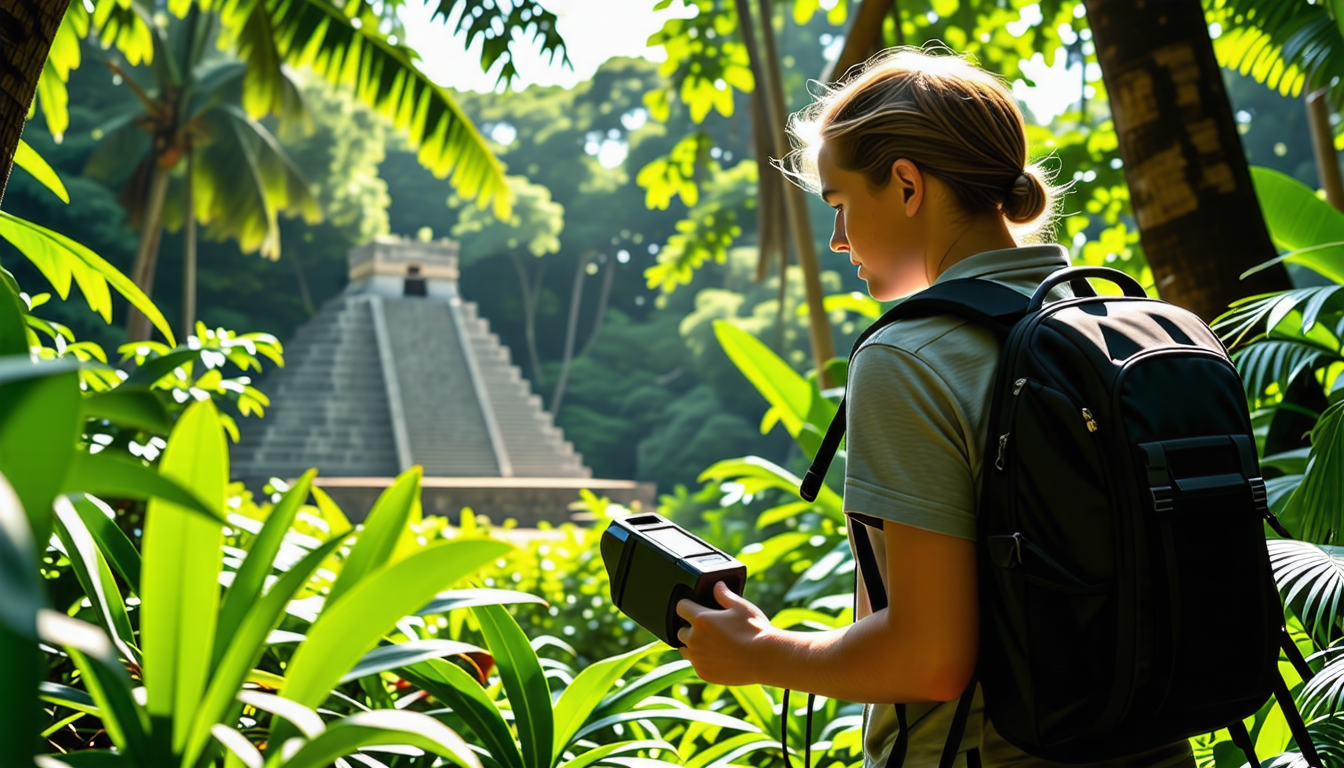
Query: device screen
{"type": "Point", "coordinates": [680, 544]}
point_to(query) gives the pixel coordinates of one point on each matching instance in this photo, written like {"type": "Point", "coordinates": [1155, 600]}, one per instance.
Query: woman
{"type": "Point", "coordinates": [924, 159]}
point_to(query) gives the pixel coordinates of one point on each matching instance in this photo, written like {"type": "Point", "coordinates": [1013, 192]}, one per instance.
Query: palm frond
{"type": "Point", "coordinates": [1311, 579]}
{"type": "Point", "coordinates": [1252, 317]}
{"type": "Point", "coordinates": [1319, 499]}
{"type": "Point", "coordinates": [243, 181]}
{"type": "Point", "coordinates": [125, 25]}
{"type": "Point", "coordinates": [352, 54]}
{"type": "Point", "coordinates": [1270, 365]}
{"type": "Point", "coordinates": [1324, 695]}
{"type": "Point", "coordinates": [1287, 45]}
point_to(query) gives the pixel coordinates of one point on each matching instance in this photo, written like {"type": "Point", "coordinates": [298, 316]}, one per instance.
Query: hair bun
{"type": "Point", "coordinates": [1027, 198]}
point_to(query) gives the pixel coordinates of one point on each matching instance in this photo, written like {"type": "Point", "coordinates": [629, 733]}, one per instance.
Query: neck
{"type": "Point", "coordinates": [965, 239]}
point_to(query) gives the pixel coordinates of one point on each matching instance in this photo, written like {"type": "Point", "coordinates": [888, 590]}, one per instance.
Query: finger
{"type": "Point", "coordinates": [684, 635]}
{"type": "Point", "coordinates": [688, 609]}
{"type": "Point", "coordinates": [726, 597]}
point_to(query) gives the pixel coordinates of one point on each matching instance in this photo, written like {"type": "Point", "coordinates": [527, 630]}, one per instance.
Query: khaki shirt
{"type": "Point", "coordinates": [918, 400]}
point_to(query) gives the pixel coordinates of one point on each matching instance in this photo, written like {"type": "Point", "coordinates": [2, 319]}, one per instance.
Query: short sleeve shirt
{"type": "Point", "coordinates": [918, 405]}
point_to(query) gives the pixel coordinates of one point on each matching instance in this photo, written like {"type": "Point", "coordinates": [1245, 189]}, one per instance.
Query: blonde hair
{"type": "Point", "coordinates": [952, 119]}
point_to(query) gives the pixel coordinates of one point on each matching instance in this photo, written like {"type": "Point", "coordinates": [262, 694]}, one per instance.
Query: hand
{"type": "Point", "coordinates": [725, 645]}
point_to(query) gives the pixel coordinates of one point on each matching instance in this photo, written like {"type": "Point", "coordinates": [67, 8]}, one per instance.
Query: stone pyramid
{"type": "Point", "coordinates": [398, 370]}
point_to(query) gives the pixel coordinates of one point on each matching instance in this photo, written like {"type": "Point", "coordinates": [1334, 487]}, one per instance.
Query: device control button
{"type": "Point", "coordinates": [708, 560]}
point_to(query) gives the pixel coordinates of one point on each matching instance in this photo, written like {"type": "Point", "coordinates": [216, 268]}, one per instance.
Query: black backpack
{"type": "Point", "coordinates": [1126, 596]}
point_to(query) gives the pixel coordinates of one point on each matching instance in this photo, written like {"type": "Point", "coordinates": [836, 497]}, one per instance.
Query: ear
{"type": "Point", "coordinates": [907, 178]}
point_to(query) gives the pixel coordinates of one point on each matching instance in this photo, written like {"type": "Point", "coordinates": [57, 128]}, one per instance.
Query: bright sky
{"type": "Point", "coordinates": [597, 30]}
{"type": "Point", "coordinates": [594, 31]}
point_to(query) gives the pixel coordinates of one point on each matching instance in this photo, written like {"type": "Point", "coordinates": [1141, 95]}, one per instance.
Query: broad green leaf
{"type": "Point", "coordinates": [71, 698]}
{"type": "Point", "coordinates": [358, 58]}
{"type": "Point", "coordinates": [247, 643]}
{"type": "Point", "coordinates": [19, 608]}
{"type": "Point", "coordinates": [121, 554]}
{"type": "Point", "coordinates": [389, 657]}
{"type": "Point", "coordinates": [524, 683]}
{"type": "Point", "coordinates": [61, 260]}
{"type": "Point", "coordinates": [457, 689]}
{"type": "Point", "coordinates": [583, 695]}
{"type": "Point", "coordinates": [106, 679]}
{"type": "Point", "coordinates": [146, 375]}
{"type": "Point", "coordinates": [794, 401]}
{"type": "Point", "coordinates": [180, 593]}
{"type": "Point", "coordinates": [382, 528]}
{"type": "Point", "coordinates": [238, 744]}
{"type": "Point", "coordinates": [1307, 227]}
{"type": "Point", "coordinates": [688, 715]}
{"type": "Point", "coordinates": [1318, 501]}
{"type": "Point", "coordinates": [141, 410]}
{"type": "Point", "coordinates": [351, 625]}
{"type": "Point", "coordinates": [595, 756]}
{"type": "Point", "coordinates": [469, 598]}
{"type": "Point", "coordinates": [756, 474]}
{"type": "Point", "coordinates": [118, 477]}
{"type": "Point", "coordinates": [340, 524]}
{"type": "Point", "coordinates": [247, 584]}
{"type": "Point", "coordinates": [726, 751]}
{"type": "Point", "coordinates": [15, 336]}
{"type": "Point", "coordinates": [29, 160]}
{"type": "Point", "coordinates": [95, 576]}
{"type": "Point", "coordinates": [651, 684]}
{"type": "Point", "coordinates": [383, 727]}
{"type": "Point", "coordinates": [306, 719]}
{"type": "Point", "coordinates": [39, 427]}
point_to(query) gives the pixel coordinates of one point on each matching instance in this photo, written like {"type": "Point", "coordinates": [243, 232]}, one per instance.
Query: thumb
{"type": "Point", "coordinates": [726, 597]}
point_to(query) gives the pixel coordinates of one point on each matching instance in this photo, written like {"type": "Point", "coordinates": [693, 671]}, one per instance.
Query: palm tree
{"type": "Point", "coordinates": [353, 47]}
{"type": "Point", "coordinates": [25, 39]}
{"type": "Point", "coordinates": [237, 176]}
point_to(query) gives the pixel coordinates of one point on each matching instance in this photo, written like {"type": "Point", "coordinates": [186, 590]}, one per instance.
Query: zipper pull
{"type": "Point", "coordinates": [1018, 385]}
{"type": "Point", "coordinates": [1017, 546]}
{"type": "Point", "coordinates": [1091, 422]}
{"type": "Point", "coordinates": [1003, 448]}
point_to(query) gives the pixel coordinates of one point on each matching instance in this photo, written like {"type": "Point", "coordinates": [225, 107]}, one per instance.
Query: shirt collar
{"type": "Point", "coordinates": [1007, 263]}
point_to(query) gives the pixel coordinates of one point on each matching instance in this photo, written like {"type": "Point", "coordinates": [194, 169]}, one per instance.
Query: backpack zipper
{"type": "Point", "coordinates": [1091, 422]}
{"type": "Point", "coordinates": [1003, 439]}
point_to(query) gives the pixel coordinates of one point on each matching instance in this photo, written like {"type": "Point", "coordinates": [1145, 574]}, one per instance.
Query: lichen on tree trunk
{"type": "Point", "coordinates": [1199, 219]}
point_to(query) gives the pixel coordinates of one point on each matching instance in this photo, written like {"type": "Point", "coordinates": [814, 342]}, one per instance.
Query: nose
{"type": "Point", "coordinates": [839, 243]}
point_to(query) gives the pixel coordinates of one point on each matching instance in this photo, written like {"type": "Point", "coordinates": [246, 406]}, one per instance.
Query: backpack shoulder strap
{"type": "Point", "coordinates": [993, 305]}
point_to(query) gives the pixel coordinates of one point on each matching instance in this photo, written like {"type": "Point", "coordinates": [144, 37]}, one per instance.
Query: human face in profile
{"type": "Point", "coordinates": [880, 230]}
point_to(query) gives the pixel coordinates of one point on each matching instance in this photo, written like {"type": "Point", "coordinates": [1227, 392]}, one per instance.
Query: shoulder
{"type": "Point", "coordinates": [941, 346]}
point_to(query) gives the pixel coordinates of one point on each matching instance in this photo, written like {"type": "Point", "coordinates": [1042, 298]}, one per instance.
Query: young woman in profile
{"type": "Point", "coordinates": [924, 159]}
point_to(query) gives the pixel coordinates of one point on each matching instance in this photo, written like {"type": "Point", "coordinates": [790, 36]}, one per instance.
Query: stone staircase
{"type": "Point", "coordinates": [328, 404]}
{"type": "Point", "coordinates": [536, 447]}
{"type": "Point", "coordinates": [444, 424]}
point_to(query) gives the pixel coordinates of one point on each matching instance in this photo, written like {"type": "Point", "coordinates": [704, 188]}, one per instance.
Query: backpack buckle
{"type": "Point", "coordinates": [1259, 494]}
{"type": "Point", "coordinates": [1162, 499]}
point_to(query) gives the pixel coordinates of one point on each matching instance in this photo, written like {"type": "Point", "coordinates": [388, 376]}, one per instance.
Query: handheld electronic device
{"type": "Point", "coordinates": [654, 563]}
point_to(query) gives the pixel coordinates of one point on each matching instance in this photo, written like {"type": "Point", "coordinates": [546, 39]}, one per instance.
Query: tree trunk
{"type": "Point", "coordinates": [305, 295]}
{"type": "Point", "coordinates": [530, 295]}
{"type": "Point", "coordinates": [189, 255]}
{"type": "Point", "coordinates": [1198, 216]}
{"type": "Point", "coordinates": [27, 28]}
{"type": "Point", "coordinates": [575, 300]}
{"type": "Point", "coordinates": [147, 253]}
{"type": "Point", "coordinates": [602, 298]}
{"type": "Point", "coordinates": [1323, 143]}
{"type": "Point", "coordinates": [766, 68]}
{"type": "Point", "coordinates": [864, 37]}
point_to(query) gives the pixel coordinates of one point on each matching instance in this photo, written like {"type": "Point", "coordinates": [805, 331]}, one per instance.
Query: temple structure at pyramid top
{"type": "Point", "coordinates": [398, 371]}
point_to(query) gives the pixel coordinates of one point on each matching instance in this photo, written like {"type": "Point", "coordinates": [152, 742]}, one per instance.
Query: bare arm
{"type": "Point", "coordinates": [922, 647]}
